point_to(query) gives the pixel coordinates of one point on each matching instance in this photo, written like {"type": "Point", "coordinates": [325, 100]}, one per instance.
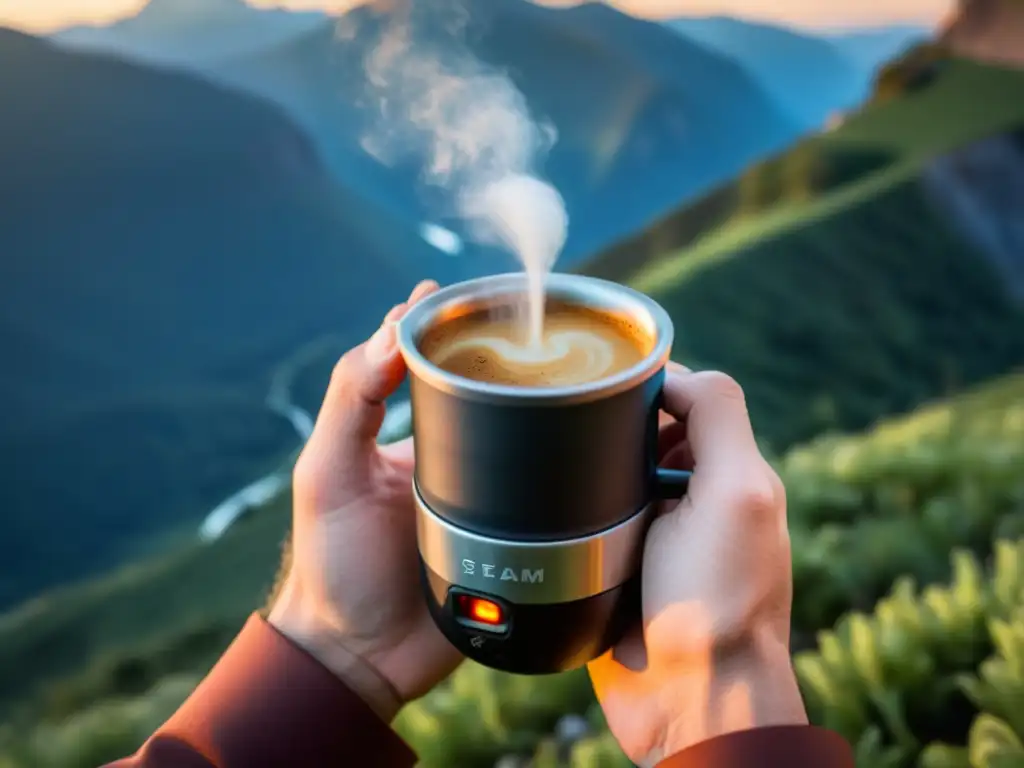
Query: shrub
{"type": "Point", "coordinates": [907, 682]}
{"type": "Point", "coordinates": [480, 714]}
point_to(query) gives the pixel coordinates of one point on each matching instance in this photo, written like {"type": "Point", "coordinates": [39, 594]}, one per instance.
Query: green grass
{"type": "Point", "coordinates": [967, 101]}
{"type": "Point", "coordinates": [848, 318]}
{"type": "Point", "coordinates": [119, 634]}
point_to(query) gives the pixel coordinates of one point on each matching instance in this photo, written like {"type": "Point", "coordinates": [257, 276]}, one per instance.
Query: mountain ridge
{"type": "Point", "coordinates": [809, 76]}
{"type": "Point", "coordinates": [582, 57]}
{"type": "Point", "coordinates": [183, 237]}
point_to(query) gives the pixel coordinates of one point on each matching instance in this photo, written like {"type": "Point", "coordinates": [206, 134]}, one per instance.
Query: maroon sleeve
{"type": "Point", "coordinates": [269, 703]}
{"type": "Point", "coordinates": [791, 746]}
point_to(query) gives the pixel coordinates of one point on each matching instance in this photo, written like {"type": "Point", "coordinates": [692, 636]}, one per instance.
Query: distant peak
{"type": "Point", "coordinates": [186, 9]}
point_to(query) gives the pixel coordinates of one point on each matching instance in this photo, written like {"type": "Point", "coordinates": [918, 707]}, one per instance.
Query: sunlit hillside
{"type": "Point", "coordinates": [838, 272]}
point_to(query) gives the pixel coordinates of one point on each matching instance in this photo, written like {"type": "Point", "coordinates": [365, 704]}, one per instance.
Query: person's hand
{"type": "Point", "coordinates": [711, 654]}
{"type": "Point", "coordinates": [352, 596]}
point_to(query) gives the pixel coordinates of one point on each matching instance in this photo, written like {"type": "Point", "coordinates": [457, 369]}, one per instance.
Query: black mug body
{"type": "Point", "coordinates": [533, 504]}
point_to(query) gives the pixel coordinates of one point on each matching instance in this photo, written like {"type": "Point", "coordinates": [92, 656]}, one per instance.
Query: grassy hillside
{"type": "Point", "coordinates": [863, 509]}
{"type": "Point", "coordinates": [883, 143]}
{"type": "Point", "coordinates": [827, 281]}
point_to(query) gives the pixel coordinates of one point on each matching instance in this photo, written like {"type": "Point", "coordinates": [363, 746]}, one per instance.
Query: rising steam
{"type": "Point", "coordinates": [471, 129]}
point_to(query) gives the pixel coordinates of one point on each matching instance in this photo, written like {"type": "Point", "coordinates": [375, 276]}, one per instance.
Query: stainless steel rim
{"type": "Point", "coordinates": [531, 572]}
{"type": "Point", "coordinates": [586, 291]}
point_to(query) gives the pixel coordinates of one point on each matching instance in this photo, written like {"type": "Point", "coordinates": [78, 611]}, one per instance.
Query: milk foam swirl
{"type": "Point", "coordinates": [567, 356]}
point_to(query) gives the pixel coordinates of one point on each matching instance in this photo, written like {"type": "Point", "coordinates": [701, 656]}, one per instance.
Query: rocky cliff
{"type": "Point", "coordinates": [987, 30]}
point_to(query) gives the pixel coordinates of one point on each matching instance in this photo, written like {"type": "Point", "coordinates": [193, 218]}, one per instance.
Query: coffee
{"type": "Point", "coordinates": [578, 345]}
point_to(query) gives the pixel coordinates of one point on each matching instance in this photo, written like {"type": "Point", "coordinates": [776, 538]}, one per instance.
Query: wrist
{"type": "Point", "coordinates": [305, 628]}
{"type": "Point", "coordinates": [752, 686]}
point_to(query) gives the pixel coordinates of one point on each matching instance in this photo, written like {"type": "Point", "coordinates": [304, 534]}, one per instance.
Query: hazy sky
{"type": "Point", "coordinates": [46, 15]}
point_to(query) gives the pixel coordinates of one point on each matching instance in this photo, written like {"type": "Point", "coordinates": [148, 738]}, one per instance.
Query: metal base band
{"type": "Point", "coordinates": [531, 572]}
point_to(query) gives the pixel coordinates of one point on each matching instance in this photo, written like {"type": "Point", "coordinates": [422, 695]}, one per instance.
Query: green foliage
{"type": "Point", "coordinates": [912, 71]}
{"type": "Point", "coordinates": [96, 735]}
{"type": "Point", "coordinates": [480, 714]}
{"type": "Point", "coordinates": [115, 636]}
{"type": "Point", "coordinates": [899, 682]}
{"type": "Point", "coordinates": [863, 510]}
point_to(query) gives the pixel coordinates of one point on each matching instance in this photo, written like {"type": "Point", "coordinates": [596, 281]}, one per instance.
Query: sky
{"type": "Point", "coordinates": [43, 16]}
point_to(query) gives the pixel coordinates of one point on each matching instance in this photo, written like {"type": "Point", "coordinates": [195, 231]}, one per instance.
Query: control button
{"type": "Point", "coordinates": [480, 613]}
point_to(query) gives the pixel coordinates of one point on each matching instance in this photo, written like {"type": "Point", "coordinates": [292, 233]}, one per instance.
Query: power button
{"type": "Point", "coordinates": [479, 612]}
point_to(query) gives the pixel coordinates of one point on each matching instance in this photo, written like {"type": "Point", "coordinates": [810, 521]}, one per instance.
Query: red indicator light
{"type": "Point", "coordinates": [481, 610]}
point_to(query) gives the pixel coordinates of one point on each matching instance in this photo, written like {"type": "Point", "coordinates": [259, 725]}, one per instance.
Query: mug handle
{"type": "Point", "coordinates": [671, 483]}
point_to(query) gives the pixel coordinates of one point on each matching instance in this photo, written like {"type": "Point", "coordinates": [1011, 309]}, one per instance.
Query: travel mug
{"type": "Point", "coordinates": [533, 502]}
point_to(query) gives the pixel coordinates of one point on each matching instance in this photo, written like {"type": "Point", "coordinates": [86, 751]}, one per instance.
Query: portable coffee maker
{"type": "Point", "coordinates": [533, 503]}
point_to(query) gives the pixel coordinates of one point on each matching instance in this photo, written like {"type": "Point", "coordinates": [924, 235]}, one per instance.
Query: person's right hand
{"type": "Point", "coordinates": [711, 654]}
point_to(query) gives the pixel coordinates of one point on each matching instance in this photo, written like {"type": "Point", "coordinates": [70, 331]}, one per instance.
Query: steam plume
{"type": "Point", "coordinates": [471, 127]}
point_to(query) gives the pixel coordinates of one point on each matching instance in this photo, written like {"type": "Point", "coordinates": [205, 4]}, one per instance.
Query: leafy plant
{"type": "Point", "coordinates": [900, 683]}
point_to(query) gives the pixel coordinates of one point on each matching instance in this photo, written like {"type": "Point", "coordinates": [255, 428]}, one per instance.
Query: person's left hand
{"type": "Point", "coordinates": [352, 597]}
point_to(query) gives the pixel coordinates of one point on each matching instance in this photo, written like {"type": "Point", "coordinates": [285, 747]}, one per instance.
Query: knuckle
{"type": "Point", "coordinates": [759, 496]}
{"type": "Point", "coordinates": [342, 373]}
{"type": "Point", "coordinates": [723, 385]}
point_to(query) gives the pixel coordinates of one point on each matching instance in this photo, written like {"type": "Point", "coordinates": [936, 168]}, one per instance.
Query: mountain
{"type": "Point", "coordinates": [871, 48]}
{"type": "Point", "coordinates": [863, 271]}
{"type": "Point", "coordinates": [989, 30]}
{"type": "Point", "coordinates": [638, 130]}
{"type": "Point", "coordinates": [167, 243]}
{"type": "Point", "coordinates": [186, 33]}
{"type": "Point", "coordinates": [808, 76]}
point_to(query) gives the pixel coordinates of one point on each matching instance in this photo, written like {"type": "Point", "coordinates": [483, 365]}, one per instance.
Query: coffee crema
{"type": "Point", "coordinates": [578, 345]}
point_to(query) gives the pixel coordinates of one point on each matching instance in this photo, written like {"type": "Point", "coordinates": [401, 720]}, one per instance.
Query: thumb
{"type": "Point", "coordinates": [344, 436]}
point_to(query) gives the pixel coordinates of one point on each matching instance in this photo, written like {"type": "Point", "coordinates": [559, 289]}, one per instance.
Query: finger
{"type": "Point", "coordinates": [423, 289]}
{"type": "Point", "coordinates": [670, 436]}
{"type": "Point", "coordinates": [679, 457]}
{"type": "Point", "coordinates": [719, 432]}
{"type": "Point", "coordinates": [344, 436]}
{"type": "Point", "coordinates": [353, 408]}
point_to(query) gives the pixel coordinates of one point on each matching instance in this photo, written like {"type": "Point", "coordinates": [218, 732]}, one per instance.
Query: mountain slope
{"type": "Point", "coordinates": [807, 76]}
{"type": "Point", "coordinates": [637, 132]}
{"type": "Point", "coordinates": [166, 243]}
{"type": "Point", "coordinates": [887, 298]}
{"type": "Point", "coordinates": [186, 33]}
{"type": "Point", "coordinates": [870, 48]}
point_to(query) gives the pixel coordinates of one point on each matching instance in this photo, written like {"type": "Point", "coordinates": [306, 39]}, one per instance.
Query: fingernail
{"type": "Point", "coordinates": [422, 289]}
{"type": "Point", "coordinates": [382, 344]}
